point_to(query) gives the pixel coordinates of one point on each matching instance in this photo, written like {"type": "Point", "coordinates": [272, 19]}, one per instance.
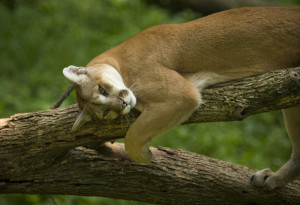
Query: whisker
{"type": "Point", "coordinates": [136, 86]}
{"type": "Point", "coordinates": [131, 87]}
{"type": "Point", "coordinates": [90, 101]}
{"type": "Point", "coordinates": [136, 89]}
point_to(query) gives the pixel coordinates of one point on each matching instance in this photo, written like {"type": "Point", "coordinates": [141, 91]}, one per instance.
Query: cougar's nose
{"type": "Point", "coordinates": [123, 93]}
{"type": "Point", "coordinates": [123, 104]}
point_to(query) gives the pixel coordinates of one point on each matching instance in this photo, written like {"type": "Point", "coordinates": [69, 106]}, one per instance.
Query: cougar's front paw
{"type": "Point", "coordinates": [143, 157]}
{"type": "Point", "coordinates": [265, 179]}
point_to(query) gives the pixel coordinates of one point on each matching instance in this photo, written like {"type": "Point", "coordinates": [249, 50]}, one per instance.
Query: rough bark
{"type": "Point", "coordinates": [39, 153]}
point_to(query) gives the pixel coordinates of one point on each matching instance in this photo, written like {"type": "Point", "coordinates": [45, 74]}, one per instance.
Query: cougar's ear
{"type": "Point", "coordinates": [77, 75]}
{"type": "Point", "coordinates": [81, 119]}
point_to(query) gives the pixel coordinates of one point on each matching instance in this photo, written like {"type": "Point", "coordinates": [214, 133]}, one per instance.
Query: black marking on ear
{"type": "Point", "coordinates": [79, 70]}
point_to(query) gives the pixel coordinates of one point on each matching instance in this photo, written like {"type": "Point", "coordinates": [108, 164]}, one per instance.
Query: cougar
{"type": "Point", "coordinates": [162, 70]}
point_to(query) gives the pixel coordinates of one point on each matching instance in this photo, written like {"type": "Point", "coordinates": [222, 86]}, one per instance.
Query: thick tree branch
{"type": "Point", "coordinates": [174, 177]}
{"type": "Point", "coordinates": [38, 152]}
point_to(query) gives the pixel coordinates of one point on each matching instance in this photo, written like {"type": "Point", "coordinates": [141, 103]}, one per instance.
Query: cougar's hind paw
{"type": "Point", "coordinates": [258, 179]}
{"type": "Point", "coordinates": [264, 179]}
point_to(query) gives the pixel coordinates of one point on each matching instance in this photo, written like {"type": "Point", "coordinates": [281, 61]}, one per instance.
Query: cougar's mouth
{"type": "Point", "coordinates": [127, 104]}
{"type": "Point", "coordinates": [123, 104]}
{"type": "Point", "coordinates": [125, 107]}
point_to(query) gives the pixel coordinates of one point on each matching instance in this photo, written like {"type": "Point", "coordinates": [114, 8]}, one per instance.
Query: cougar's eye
{"type": "Point", "coordinates": [102, 91]}
{"type": "Point", "coordinates": [105, 112]}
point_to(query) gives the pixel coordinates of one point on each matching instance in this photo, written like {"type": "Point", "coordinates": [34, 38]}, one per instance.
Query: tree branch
{"type": "Point", "coordinates": [62, 97]}
{"type": "Point", "coordinates": [39, 153]}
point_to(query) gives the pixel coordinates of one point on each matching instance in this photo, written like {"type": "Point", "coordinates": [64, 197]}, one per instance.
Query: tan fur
{"type": "Point", "coordinates": [166, 67]}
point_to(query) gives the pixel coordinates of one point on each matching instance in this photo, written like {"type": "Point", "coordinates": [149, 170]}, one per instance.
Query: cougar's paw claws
{"type": "Point", "coordinates": [264, 179]}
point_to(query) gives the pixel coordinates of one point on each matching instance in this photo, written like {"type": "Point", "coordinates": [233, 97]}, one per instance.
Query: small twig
{"type": "Point", "coordinates": [53, 200]}
{"type": "Point", "coordinates": [62, 97]}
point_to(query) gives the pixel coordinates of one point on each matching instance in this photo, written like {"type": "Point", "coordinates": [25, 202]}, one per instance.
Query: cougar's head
{"type": "Point", "coordinates": [100, 92]}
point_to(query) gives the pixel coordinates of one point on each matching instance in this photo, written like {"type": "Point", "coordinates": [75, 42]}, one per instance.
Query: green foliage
{"type": "Point", "coordinates": [253, 142]}
{"type": "Point", "coordinates": [30, 199]}
{"type": "Point", "coordinates": [39, 38]}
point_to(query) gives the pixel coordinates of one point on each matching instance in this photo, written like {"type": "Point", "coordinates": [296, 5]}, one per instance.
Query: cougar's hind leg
{"type": "Point", "coordinates": [290, 170]}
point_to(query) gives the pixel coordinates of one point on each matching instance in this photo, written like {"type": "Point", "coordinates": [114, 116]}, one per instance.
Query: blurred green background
{"type": "Point", "coordinates": [39, 38]}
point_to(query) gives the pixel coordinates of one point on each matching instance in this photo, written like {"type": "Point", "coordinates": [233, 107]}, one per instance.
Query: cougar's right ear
{"type": "Point", "coordinates": [77, 75]}
{"type": "Point", "coordinates": [81, 119]}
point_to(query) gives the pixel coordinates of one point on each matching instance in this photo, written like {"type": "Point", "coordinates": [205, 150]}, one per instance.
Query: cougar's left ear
{"type": "Point", "coordinates": [81, 119]}
{"type": "Point", "coordinates": [77, 75]}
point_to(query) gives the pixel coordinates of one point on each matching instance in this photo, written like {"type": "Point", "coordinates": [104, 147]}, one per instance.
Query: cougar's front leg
{"type": "Point", "coordinates": [154, 121]}
{"type": "Point", "coordinates": [291, 170]}
{"type": "Point", "coordinates": [157, 117]}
